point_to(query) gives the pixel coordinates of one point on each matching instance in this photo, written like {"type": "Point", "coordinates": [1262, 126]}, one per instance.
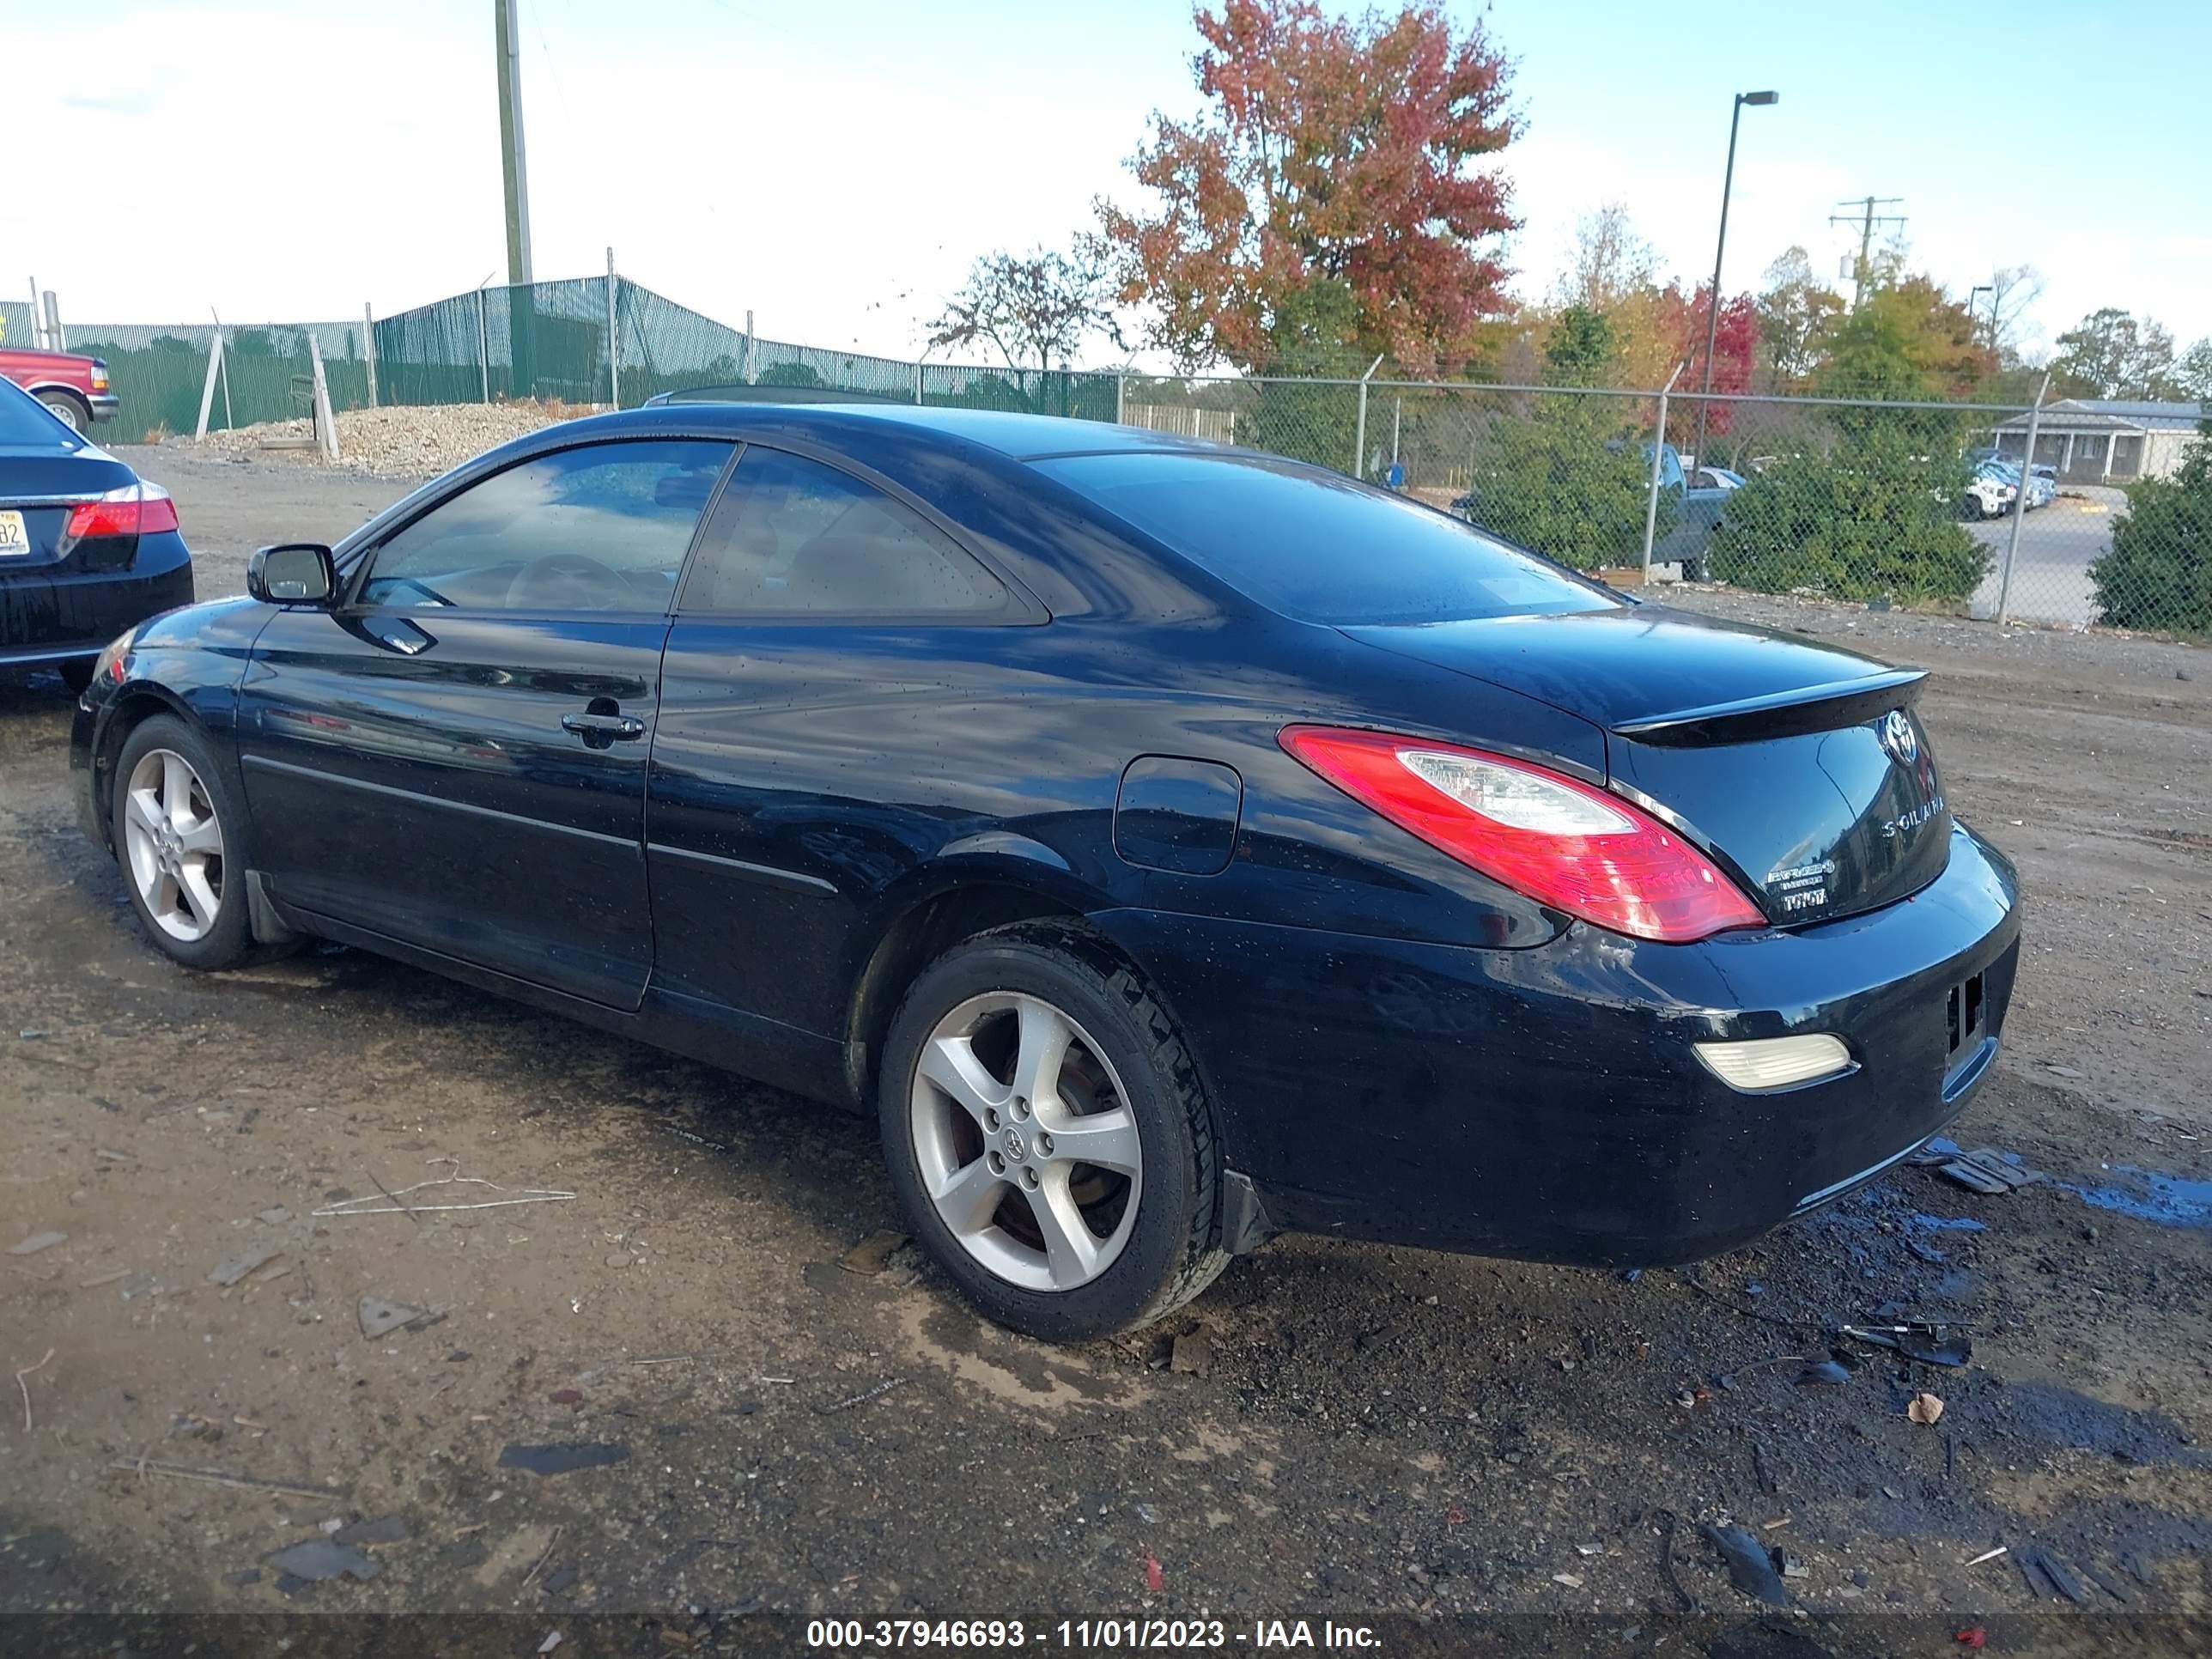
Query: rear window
{"type": "Point", "coordinates": [24, 425]}
{"type": "Point", "coordinates": [1318, 547]}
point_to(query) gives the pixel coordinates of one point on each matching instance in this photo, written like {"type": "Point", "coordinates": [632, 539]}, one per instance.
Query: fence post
{"type": "Point", "coordinates": [1359, 435]}
{"type": "Point", "coordinates": [326, 425]}
{"type": "Point", "coordinates": [614, 336]}
{"type": "Point", "coordinates": [750, 364]}
{"type": "Point", "coordinates": [2020, 502]}
{"type": "Point", "coordinates": [1658, 454]}
{"type": "Point", "coordinates": [1120, 395]}
{"type": "Point", "coordinates": [38, 327]}
{"type": "Point", "coordinates": [917, 386]}
{"type": "Point", "coordinates": [207, 390]}
{"type": "Point", "coordinates": [483, 350]}
{"type": "Point", "coordinates": [369, 355]}
{"type": "Point", "coordinates": [56, 337]}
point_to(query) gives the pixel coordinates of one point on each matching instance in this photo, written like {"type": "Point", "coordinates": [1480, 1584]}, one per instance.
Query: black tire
{"type": "Point", "coordinates": [1173, 1251]}
{"type": "Point", "coordinates": [229, 942]}
{"type": "Point", "coordinates": [72, 412]}
{"type": "Point", "coordinates": [76, 675]}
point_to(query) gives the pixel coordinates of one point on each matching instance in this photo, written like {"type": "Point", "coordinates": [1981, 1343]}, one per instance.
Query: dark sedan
{"type": "Point", "coordinates": [86, 546]}
{"type": "Point", "coordinates": [1175, 845]}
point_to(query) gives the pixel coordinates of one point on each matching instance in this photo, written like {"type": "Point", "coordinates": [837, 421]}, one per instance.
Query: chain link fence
{"type": "Point", "coordinates": [1920, 505]}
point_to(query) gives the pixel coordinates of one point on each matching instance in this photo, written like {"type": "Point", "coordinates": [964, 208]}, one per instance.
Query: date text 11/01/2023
{"type": "Point", "coordinates": [988, 1635]}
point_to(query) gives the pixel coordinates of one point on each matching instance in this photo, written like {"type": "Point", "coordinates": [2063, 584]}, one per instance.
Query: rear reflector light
{"type": "Point", "coordinates": [1564, 843]}
{"type": "Point", "coordinates": [136, 509]}
{"type": "Point", "coordinates": [1775, 1062]}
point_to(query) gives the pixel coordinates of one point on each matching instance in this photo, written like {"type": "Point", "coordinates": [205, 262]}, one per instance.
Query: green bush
{"type": "Point", "coordinates": [2159, 574]}
{"type": "Point", "coordinates": [1564, 483]}
{"type": "Point", "coordinates": [1877, 517]}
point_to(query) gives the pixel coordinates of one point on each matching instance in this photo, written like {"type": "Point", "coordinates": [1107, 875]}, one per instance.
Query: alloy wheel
{"type": "Point", "coordinates": [1026, 1141]}
{"type": "Point", "coordinates": [172, 844]}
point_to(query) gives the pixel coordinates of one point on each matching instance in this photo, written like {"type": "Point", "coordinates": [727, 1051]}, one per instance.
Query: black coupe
{"type": "Point", "coordinates": [1174, 844]}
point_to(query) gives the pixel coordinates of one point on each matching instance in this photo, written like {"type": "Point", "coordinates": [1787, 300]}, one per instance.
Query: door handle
{"type": "Point", "coordinates": [607, 728]}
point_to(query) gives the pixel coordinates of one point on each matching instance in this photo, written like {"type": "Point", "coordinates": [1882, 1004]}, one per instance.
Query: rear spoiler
{"type": "Point", "coordinates": [1778, 714]}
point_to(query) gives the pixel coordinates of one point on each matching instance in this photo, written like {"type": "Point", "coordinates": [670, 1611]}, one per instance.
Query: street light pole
{"type": "Point", "coordinates": [1713, 300]}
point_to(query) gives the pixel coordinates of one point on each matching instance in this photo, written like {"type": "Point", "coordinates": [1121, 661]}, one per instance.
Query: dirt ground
{"type": "Point", "coordinates": [791, 1431]}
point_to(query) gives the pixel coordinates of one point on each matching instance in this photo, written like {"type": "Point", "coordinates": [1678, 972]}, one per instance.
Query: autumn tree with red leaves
{"type": "Point", "coordinates": [1326, 204]}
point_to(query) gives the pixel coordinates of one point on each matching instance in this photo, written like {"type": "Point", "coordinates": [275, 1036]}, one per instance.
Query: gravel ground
{"type": "Point", "coordinates": [802, 1432]}
{"type": "Point", "coordinates": [394, 443]}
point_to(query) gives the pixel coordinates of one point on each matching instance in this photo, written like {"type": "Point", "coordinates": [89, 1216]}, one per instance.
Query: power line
{"type": "Point", "coordinates": [1866, 219]}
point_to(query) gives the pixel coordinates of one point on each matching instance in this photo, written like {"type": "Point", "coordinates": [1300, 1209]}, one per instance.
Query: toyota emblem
{"type": "Point", "coordinates": [1898, 738]}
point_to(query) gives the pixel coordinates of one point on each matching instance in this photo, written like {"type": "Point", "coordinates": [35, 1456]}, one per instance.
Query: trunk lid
{"type": "Point", "coordinates": [1803, 769]}
{"type": "Point", "coordinates": [41, 482]}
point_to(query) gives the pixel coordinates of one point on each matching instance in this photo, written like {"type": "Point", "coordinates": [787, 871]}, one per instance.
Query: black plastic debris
{"type": "Point", "coordinates": [2105, 1582]}
{"type": "Point", "coordinates": [562, 1457]}
{"type": "Point", "coordinates": [1823, 1372]}
{"type": "Point", "coordinates": [1749, 1569]}
{"type": "Point", "coordinates": [320, 1558]}
{"type": "Point", "coordinates": [2049, 1575]}
{"type": "Point", "coordinates": [1925, 1343]}
{"type": "Point", "coordinates": [1985, 1169]}
{"type": "Point", "coordinates": [384, 1529]}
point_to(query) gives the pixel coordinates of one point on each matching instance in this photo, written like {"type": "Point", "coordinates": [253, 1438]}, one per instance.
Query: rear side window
{"type": "Point", "coordinates": [1318, 547]}
{"type": "Point", "coordinates": [24, 425]}
{"type": "Point", "coordinates": [793, 537]}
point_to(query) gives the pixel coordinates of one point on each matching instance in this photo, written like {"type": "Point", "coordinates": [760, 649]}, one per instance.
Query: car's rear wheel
{"type": "Point", "coordinates": [1048, 1137]}
{"type": "Point", "coordinates": [66, 410]}
{"type": "Point", "coordinates": [175, 833]}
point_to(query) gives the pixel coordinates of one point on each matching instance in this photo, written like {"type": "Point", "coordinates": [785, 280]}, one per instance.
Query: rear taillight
{"type": "Point", "coordinates": [1565, 844]}
{"type": "Point", "coordinates": [136, 509]}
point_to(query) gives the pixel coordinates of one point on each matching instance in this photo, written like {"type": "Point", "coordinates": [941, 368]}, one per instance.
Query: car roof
{"type": "Point", "coordinates": [1019, 436]}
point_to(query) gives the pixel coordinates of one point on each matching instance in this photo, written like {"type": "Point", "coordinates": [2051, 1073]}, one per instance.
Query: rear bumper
{"type": "Point", "coordinates": [1546, 1103]}
{"type": "Point", "coordinates": [54, 614]}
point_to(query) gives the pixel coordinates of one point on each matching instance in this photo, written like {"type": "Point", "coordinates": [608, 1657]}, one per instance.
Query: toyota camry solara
{"type": "Point", "coordinates": [1173, 845]}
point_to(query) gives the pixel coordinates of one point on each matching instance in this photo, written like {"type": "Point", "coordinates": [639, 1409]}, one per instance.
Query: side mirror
{"type": "Point", "coordinates": [292, 572]}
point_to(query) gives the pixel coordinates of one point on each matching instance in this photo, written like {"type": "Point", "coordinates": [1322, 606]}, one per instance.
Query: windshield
{"type": "Point", "coordinates": [25, 425]}
{"type": "Point", "coordinates": [1320, 547]}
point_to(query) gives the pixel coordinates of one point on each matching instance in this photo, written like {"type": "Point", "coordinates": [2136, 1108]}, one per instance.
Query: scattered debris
{"type": "Point", "coordinates": [562, 1457]}
{"type": "Point", "coordinates": [2105, 1582]}
{"type": "Point", "coordinates": [1156, 1578]}
{"type": "Point", "coordinates": [1790, 1566]}
{"type": "Point", "coordinates": [274, 1217]}
{"type": "Point", "coordinates": [366, 1204]}
{"type": "Point", "coordinates": [1749, 1569]}
{"type": "Point", "coordinates": [143, 1465]}
{"type": "Point", "coordinates": [552, 1641]}
{"type": "Point", "coordinates": [228, 1272]}
{"type": "Point", "coordinates": [1666, 1524]}
{"type": "Point", "coordinates": [26, 1387]}
{"type": "Point", "coordinates": [1589, 1549]}
{"type": "Point", "coordinates": [1985, 1169]}
{"type": "Point", "coordinates": [384, 1529]}
{"type": "Point", "coordinates": [539, 1565]}
{"type": "Point", "coordinates": [1988, 1555]}
{"type": "Point", "coordinates": [873, 1254]}
{"type": "Point", "coordinates": [320, 1558]}
{"type": "Point", "coordinates": [1571, 1580]}
{"type": "Point", "coordinates": [1824, 1372]}
{"type": "Point", "coordinates": [2041, 1567]}
{"type": "Point", "coordinates": [863, 1397]}
{"type": "Point", "coordinates": [1972, 1637]}
{"type": "Point", "coordinates": [1148, 1514]}
{"type": "Point", "coordinates": [2063, 1071]}
{"type": "Point", "coordinates": [381, 1318]}
{"type": "Point", "coordinates": [1925, 1409]}
{"type": "Point", "coordinates": [1192, 1353]}
{"type": "Point", "coordinates": [36, 1242]}
{"type": "Point", "coordinates": [566, 1396]}
{"type": "Point", "coordinates": [1923, 1342]}
{"type": "Point", "coordinates": [239, 1577]}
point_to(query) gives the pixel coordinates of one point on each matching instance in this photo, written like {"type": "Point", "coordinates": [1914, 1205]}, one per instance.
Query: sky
{"type": "Point", "coordinates": [833, 167]}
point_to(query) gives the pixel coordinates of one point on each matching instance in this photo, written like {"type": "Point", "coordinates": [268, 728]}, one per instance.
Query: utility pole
{"type": "Point", "coordinates": [1720, 247]}
{"type": "Point", "coordinates": [514, 168]}
{"type": "Point", "coordinates": [1866, 220]}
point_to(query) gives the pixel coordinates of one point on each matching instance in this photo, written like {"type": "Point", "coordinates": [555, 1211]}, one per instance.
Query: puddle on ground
{"type": "Point", "coordinates": [2146, 1194]}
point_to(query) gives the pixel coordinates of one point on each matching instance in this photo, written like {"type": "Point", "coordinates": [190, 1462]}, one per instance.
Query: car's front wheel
{"type": "Point", "coordinates": [175, 837]}
{"type": "Point", "coordinates": [66, 410]}
{"type": "Point", "coordinates": [1048, 1137]}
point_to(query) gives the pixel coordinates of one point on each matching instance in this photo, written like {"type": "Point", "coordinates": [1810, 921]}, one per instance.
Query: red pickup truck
{"type": "Point", "coordinates": [74, 387]}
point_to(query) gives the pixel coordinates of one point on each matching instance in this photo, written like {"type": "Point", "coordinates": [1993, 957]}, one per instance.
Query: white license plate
{"type": "Point", "coordinates": [15, 540]}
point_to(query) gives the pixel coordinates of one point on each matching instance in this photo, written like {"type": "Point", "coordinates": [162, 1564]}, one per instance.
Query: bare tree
{"type": "Point", "coordinates": [1034, 308]}
{"type": "Point", "coordinates": [1610, 261]}
{"type": "Point", "coordinates": [2012, 290]}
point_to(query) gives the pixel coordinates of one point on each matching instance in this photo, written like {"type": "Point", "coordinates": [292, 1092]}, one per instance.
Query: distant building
{"type": "Point", "coordinates": [2103, 441]}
